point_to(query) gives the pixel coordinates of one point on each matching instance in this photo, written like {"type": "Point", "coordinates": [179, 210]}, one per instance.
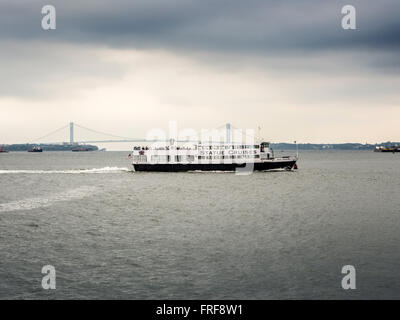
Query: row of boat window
{"type": "Point", "coordinates": [217, 147]}
{"type": "Point", "coordinates": [200, 147]}
{"type": "Point", "coordinates": [247, 156]}
{"type": "Point", "coordinates": [161, 148]}
{"type": "Point", "coordinates": [173, 148]}
{"type": "Point", "coordinates": [178, 158]}
{"type": "Point", "coordinates": [190, 158]}
{"type": "Point", "coordinates": [163, 158]}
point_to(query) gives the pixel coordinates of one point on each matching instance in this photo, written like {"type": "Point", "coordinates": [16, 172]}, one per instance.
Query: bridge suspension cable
{"type": "Point", "coordinates": [50, 133]}
{"type": "Point", "coordinates": [103, 133]}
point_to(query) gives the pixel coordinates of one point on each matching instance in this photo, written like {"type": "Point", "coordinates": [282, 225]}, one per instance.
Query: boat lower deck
{"type": "Point", "coordinates": [181, 167]}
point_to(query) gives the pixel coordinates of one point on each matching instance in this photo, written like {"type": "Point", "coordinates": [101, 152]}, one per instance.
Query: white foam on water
{"type": "Point", "coordinates": [48, 200]}
{"type": "Point", "coordinates": [210, 171]}
{"type": "Point", "coordinates": [72, 171]}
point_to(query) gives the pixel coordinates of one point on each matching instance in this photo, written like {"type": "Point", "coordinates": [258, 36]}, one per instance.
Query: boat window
{"type": "Point", "coordinates": [159, 158]}
{"type": "Point", "coordinates": [178, 158]}
{"type": "Point", "coordinates": [264, 145]}
{"type": "Point", "coordinates": [190, 158]}
{"type": "Point", "coordinates": [140, 158]}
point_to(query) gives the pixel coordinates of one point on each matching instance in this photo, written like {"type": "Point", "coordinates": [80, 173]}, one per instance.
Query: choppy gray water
{"type": "Point", "coordinates": [112, 233]}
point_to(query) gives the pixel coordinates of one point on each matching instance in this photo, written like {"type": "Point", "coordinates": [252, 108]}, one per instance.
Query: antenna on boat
{"type": "Point", "coordinates": [297, 149]}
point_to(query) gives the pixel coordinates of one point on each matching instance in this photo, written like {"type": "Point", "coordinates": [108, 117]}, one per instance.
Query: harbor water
{"type": "Point", "coordinates": [112, 233]}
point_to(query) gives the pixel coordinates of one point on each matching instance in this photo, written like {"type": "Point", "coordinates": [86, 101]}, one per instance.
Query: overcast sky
{"type": "Point", "coordinates": [127, 66]}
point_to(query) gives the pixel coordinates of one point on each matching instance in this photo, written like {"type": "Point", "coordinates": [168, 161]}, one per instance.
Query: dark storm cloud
{"type": "Point", "coordinates": [275, 57]}
{"type": "Point", "coordinates": [259, 26]}
{"type": "Point", "coordinates": [282, 36]}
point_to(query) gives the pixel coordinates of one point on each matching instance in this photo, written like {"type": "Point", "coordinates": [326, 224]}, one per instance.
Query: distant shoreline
{"type": "Point", "coordinates": [46, 147]}
{"type": "Point", "coordinates": [331, 146]}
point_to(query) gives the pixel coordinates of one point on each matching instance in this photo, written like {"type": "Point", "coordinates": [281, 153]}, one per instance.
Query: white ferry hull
{"type": "Point", "coordinates": [184, 167]}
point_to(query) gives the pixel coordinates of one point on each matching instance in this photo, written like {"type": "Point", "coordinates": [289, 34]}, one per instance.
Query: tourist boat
{"type": "Point", "coordinates": [210, 157]}
{"type": "Point", "coordinates": [2, 150]}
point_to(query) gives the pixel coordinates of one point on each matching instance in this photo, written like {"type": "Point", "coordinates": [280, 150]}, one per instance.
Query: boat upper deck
{"type": "Point", "coordinates": [203, 153]}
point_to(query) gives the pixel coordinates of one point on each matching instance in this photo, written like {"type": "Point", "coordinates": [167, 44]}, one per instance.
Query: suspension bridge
{"type": "Point", "coordinates": [73, 140]}
{"type": "Point", "coordinates": [110, 138]}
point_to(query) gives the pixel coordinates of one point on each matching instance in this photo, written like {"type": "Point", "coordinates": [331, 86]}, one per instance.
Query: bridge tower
{"type": "Point", "coordinates": [228, 133]}
{"type": "Point", "coordinates": [71, 133]}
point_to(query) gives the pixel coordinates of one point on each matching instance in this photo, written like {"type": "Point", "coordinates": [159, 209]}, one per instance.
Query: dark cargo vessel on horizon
{"type": "Point", "coordinates": [82, 149]}
{"type": "Point", "coordinates": [35, 149]}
